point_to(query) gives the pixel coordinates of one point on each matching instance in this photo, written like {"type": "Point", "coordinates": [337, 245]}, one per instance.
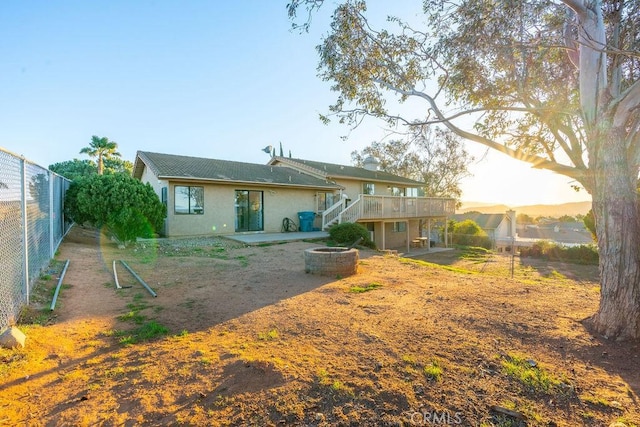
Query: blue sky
{"type": "Point", "coordinates": [199, 78]}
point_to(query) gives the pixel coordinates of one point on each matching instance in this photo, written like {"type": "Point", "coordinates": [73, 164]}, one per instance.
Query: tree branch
{"type": "Point", "coordinates": [578, 6]}
{"type": "Point", "coordinates": [627, 104]}
{"type": "Point", "coordinates": [570, 43]}
{"type": "Point", "coordinates": [534, 160]}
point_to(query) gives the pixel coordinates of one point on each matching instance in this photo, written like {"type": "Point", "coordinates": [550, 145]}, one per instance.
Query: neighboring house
{"type": "Point", "coordinates": [500, 228]}
{"type": "Point", "coordinates": [566, 233]}
{"type": "Point", "coordinates": [210, 197]}
{"type": "Point", "coordinates": [503, 231]}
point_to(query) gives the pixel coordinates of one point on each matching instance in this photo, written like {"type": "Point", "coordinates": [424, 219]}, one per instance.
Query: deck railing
{"type": "Point", "coordinates": [368, 207]}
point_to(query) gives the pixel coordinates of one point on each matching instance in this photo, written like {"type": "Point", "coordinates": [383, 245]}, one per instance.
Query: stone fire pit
{"type": "Point", "coordinates": [326, 261]}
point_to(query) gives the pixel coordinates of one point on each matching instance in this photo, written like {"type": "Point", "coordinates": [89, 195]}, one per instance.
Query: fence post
{"type": "Point", "coordinates": [446, 232]}
{"type": "Point", "coordinates": [51, 210]}
{"type": "Point", "coordinates": [25, 223]}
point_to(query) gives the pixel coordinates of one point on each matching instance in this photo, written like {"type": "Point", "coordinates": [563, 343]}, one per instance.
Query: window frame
{"type": "Point", "coordinates": [324, 194]}
{"type": "Point", "coordinates": [398, 191]}
{"type": "Point", "coordinates": [399, 227]}
{"type": "Point", "coordinates": [252, 208]}
{"type": "Point", "coordinates": [190, 197]}
{"type": "Point", "coordinates": [369, 188]}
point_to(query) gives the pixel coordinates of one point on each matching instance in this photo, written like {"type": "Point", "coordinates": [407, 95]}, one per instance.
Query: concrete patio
{"type": "Point", "coordinates": [258, 238]}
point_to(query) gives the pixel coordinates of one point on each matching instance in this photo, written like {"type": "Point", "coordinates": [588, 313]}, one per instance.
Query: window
{"type": "Point", "coordinates": [368, 188]}
{"type": "Point", "coordinates": [325, 201]}
{"type": "Point", "coordinates": [189, 200]}
{"type": "Point", "coordinates": [412, 192]}
{"type": "Point", "coordinates": [397, 191]}
{"type": "Point", "coordinates": [399, 227]}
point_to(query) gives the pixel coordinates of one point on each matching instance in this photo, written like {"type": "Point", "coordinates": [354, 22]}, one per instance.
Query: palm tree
{"type": "Point", "coordinates": [101, 148]}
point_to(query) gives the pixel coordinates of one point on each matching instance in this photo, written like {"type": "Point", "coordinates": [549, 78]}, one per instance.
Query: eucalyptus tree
{"type": "Point", "coordinates": [102, 149]}
{"type": "Point", "coordinates": [553, 83]}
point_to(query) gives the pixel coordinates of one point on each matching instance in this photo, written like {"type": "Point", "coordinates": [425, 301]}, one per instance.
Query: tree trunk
{"type": "Point", "coordinates": [615, 207]}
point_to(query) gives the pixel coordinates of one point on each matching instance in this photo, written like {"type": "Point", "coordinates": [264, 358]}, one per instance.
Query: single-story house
{"type": "Point", "coordinates": [217, 197]}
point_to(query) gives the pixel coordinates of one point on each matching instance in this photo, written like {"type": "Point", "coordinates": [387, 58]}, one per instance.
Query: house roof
{"type": "Point", "coordinates": [562, 235]}
{"type": "Point", "coordinates": [484, 221]}
{"type": "Point", "coordinates": [333, 171]}
{"type": "Point", "coordinates": [169, 166]}
{"type": "Point", "coordinates": [574, 225]}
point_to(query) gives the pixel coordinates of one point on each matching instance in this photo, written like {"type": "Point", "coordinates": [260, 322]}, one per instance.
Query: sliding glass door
{"type": "Point", "coordinates": [249, 212]}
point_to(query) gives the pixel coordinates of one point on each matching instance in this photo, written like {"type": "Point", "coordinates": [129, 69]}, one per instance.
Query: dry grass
{"type": "Point", "coordinates": [251, 340]}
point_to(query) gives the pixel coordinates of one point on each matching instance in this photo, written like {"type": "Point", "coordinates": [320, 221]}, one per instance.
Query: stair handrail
{"type": "Point", "coordinates": [351, 213]}
{"type": "Point", "coordinates": [330, 215]}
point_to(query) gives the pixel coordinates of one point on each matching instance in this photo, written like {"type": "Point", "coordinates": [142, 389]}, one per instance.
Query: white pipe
{"type": "Point", "coordinates": [55, 295]}
{"type": "Point", "coordinates": [115, 275]}
{"type": "Point", "coordinates": [139, 279]}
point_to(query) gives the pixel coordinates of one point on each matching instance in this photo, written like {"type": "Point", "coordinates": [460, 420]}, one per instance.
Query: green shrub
{"type": "Point", "coordinates": [468, 226]}
{"type": "Point", "coordinates": [471, 240]}
{"type": "Point", "coordinates": [125, 206]}
{"type": "Point", "coordinates": [348, 232]}
{"type": "Point", "coordinates": [590, 223]}
{"type": "Point", "coordinates": [469, 233]}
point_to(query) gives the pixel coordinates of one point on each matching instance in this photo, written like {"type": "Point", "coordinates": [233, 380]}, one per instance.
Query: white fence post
{"type": "Point", "coordinates": [51, 214]}
{"type": "Point", "coordinates": [25, 223]}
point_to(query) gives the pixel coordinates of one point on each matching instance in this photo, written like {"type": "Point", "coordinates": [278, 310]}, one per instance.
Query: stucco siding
{"type": "Point", "coordinates": [394, 239]}
{"type": "Point", "coordinates": [398, 239]}
{"type": "Point", "coordinates": [501, 234]}
{"type": "Point", "coordinates": [353, 188]}
{"type": "Point", "coordinates": [149, 177]}
{"type": "Point", "coordinates": [219, 213]}
{"type": "Point", "coordinates": [414, 228]}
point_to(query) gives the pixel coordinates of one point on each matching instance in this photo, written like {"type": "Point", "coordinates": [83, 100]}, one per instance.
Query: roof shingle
{"type": "Point", "coordinates": [485, 221]}
{"type": "Point", "coordinates": [198, 168]}
{"type": "Point", "coordinates": [331, 170]}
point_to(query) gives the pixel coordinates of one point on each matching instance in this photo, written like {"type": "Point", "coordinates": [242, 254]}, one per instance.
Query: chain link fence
{"type": "Point", "coordinates": [32, 225]}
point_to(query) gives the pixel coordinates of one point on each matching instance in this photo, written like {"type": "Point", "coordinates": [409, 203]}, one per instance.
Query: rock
{"type": "Point", "coordinates": [12, 338]}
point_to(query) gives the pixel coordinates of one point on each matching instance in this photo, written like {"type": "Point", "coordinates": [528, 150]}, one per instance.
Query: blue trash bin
{"type": "Point", "coordinates": [306, 220]}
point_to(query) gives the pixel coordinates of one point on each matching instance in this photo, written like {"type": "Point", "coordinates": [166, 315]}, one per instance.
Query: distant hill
{"type": "Point", "coordinates": [555, 211]}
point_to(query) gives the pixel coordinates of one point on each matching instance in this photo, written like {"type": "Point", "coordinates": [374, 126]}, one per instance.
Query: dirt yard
{"type": "Point", "coordinates": [242, 336]}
